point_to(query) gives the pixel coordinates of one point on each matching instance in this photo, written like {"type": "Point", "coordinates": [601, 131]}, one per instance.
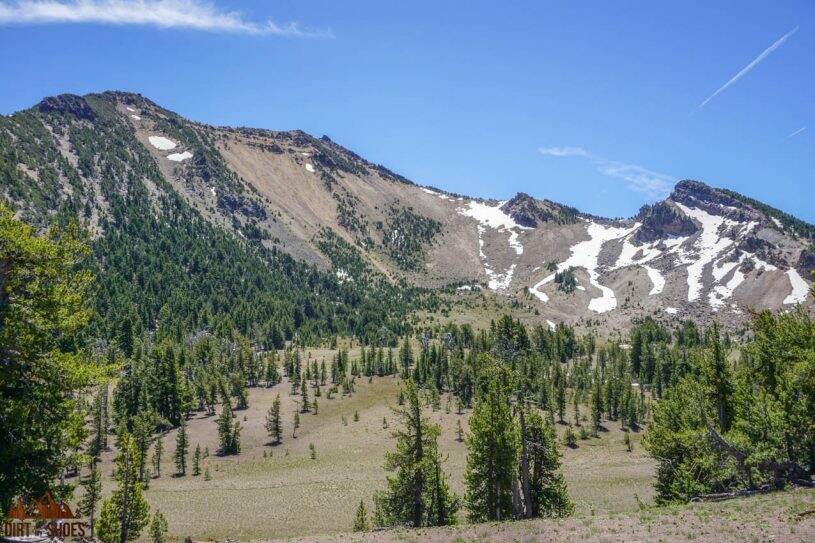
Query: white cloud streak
{"type": "Point", "coordinates": [563, 151]}
{"type": "Point", "coordinates": [189, 14]}
{"type": "Point", "coordinates": [744, 71]}
{"type": "Point", "coordinates": [796, 132]}
{"type": "Point", "coordinates": [638, 179]}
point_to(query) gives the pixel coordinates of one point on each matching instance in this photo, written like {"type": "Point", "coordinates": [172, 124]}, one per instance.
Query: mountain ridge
{"type": "Point", "coordinates": [701, 252]}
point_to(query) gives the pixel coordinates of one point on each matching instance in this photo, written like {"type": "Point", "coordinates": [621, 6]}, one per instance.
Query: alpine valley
{"type": "Point", "coordinates": [288, 226]}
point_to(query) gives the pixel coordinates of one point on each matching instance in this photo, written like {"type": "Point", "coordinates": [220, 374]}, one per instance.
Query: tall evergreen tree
{"type": "Point", "coordinates": [418, 493]}
{"type": "Point", "coordinates": [273, 424]}
{"type": "Point", "coordinates": [228, 431]}
{"type": "Point", "coordinates": [196, 461]}
{"type": "Point", "coordinates": [492, 454]}
{"type": "Point", "coordinates": [158, 451]}
{"type": "Point", "coordinates": [125, 513]}
{"type": "Point", "coordinates": [91, 496]}
{"type": "Point", "coordinates": [42, 312]}
{"type": "Point", "coordinates": [181, 447]}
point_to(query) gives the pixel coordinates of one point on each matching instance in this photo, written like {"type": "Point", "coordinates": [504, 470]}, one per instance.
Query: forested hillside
{"type": "Point", "coordinates": [160, 266]}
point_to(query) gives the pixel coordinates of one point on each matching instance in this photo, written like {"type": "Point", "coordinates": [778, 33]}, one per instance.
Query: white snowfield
{"type": "Point", "coordinates": [585, 255]}
{"type": "Point", "coordinates": [712, 253]}
{"type": "Point", "coordinates": [647, 252]}
{"type": "Point", "coordinates": [434, 193]}
{"type": "Point", "coordinates": [179, 157]}
{"type": "Point", "coordinates": [161, 143]}
{"type": "Point", "coordinates": [136, 117]}
{"type": "Point", "coordinates": [309, 167]}
{"type": "Point", "coordinates": [800, 288]}
{"type": "Point", "coordinates": [493, 217]}
{"type": "Point", "coordinates": [708, 246]}
{"type": "Point", "coordinates": [657, 280]}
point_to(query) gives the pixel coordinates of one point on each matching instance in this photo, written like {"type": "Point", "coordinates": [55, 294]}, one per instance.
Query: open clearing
{"type": "Point", "coordinates": [787, 517]}
{"type": "Point", "coordinates": [287, 494]}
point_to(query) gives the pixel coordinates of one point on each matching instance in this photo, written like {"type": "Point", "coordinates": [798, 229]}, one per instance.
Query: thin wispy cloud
{"type": "Point", "coordinates": [563, 151]}
{"type": "Point", "coordinates": [796, 132]}
{"type": "Point", "coordinates": [638, 179]}
{"type": "Point", "coordinates": [756, 61]}
{"type": "Point", "coordinates": [187, 14]}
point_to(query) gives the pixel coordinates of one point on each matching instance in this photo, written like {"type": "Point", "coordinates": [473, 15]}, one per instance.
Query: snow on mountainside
{"type": "Point", "coordinates": [702, 252]}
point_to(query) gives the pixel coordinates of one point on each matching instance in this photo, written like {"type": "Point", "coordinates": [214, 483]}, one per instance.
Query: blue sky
{"type": "Point", "coordinates": [594, 104]}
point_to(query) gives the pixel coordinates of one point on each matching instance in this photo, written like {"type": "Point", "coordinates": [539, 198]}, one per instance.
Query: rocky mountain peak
{"type": "Point", "coordinates": [67, 104]}
{"type": "Point", "coordinates": [529, 212]}
{"type": "Point", "coordinates": [662, 220]}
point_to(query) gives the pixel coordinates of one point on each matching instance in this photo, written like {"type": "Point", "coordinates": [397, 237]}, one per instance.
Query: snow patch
{"type": "Point", "coordinates": [309, 167]}
{"type": "Point", "coordinates": [135, 117]}
{"type": "Point", "coordinates": [777, 223]}
{"type": "Point", "coordinates": [130, 109]}
{"type": "Point", "coordinates": [551, 325]}
{"type": "Point", "coordinates": [161, 143]}
{"type": "Point", "coordinates": [709, 245]}
{"type": "Point", "coordinates": [671, 310]}
{"type": "Point", "coordinates": [800, 288]}
{"type": "Point", "coordinates": [179, 157]}
{"type": "Point", "coordinates": [585, 255]}
{"type": "Point", "coordinates": [493, 217]}
{"type": "Point", "coordinates": [538, 294]}
{"type": "Point", "coordinates": [657, 279]}
{"type": "Point", "coordinates": [434, 193]}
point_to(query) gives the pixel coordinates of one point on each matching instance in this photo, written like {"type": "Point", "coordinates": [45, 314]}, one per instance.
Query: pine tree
{"type": "Point", "coordinates": [43, 310]}
{"type": "Point", "coordinates": [91, 496]}
{"type": "Point", "coordinates": [560, 395]}
{"type": "Point", "coordinates": [228, 431]}
{"type": "Point", "coordinates": [304, 405]}
{"type": "Point", "coordinates": [158, 451]}
{"type": "Point", "coordinates": [720, 382]}
{"type": "Point", "coordinates": [196, 461]}
{"type": "Point", "coordinates": [107, 526]}
{"type": "Point", "coordinates": [143, 425]}
{"type": "Point", "coordinates": [158, 528]}
{"type": "Point", "coordinates": [406, 358]}
{"type": "Point", "coordinates": [100, 419]}
{"type": "Point", "coordinates": [459, 431]}
{"type": "Point", "coordinates": [596, 402]}
{"type": "Point", "coordinates": [273, 425]}
{"type": "Point", "coordinates": [545, 494]}
{"type": "Point", "coordinates": [418, 493]}
{"type": "Point", "coordinates": [361, 519]}
{"type": "Point", "coordinates": [569, 438]}
{"type": "Point", "coordinates": [125, 513]}
{"type": "Point", "coordinates": [181, 446]}
{"type": "Point", "coordinates": [492, 455]}
{"type": "Point", "coordinates": [296, 424]}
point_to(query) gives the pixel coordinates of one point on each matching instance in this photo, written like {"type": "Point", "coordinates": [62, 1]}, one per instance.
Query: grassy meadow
{"type": "Point", "coordinates": [279, 491]}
